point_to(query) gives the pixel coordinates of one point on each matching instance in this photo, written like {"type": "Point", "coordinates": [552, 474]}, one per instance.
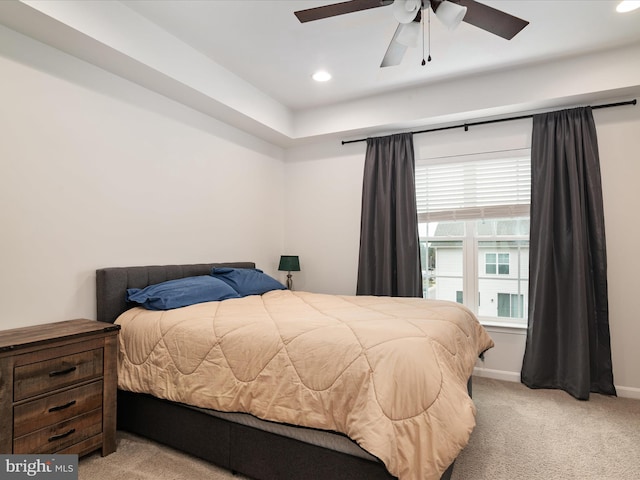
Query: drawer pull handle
{"type": "Point", "coordinates": [62, 407]}
{"type": "Point", "coordinates": [55, 373]}
{"type": "Point", "coordinates": [62, 435]}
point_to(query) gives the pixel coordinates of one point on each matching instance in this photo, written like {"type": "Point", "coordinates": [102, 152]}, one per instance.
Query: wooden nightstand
{"type": "Point", "coordinates": [58, 386]}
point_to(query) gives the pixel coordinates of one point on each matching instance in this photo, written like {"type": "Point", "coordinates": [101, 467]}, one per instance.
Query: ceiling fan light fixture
{"type": "Point", "coordinates": [450, 14]}
{"type": "Point", "coordinates": [405, 11]}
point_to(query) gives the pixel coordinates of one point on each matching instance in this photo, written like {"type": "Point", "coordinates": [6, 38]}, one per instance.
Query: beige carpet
{"type": "Point", "coordinates": [521, 434]}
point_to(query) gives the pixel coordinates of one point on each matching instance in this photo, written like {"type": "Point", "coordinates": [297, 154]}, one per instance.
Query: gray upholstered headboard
{"type": "Point", "coordinates": [112, 283]}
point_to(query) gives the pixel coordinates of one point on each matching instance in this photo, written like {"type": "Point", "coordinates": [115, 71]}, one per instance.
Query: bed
{"type": "Point", "coordinates": [283, 441]}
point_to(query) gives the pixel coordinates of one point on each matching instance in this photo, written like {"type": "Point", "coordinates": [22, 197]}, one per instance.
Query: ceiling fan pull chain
{"type": "Point", "coordinates": [429, 15]}
{"type": "Point", "coordinates": [429, 33]}
{"type": "Point", "coordinates": [422, 21]}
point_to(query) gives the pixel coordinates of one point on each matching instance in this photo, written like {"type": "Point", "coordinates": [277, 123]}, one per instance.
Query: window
{"type": "Point", "coordinates": [510, 305]}
{"type": "Point", "coordinates": [473, 216]}
{"type": "Point", "coordinates": [496, 263]}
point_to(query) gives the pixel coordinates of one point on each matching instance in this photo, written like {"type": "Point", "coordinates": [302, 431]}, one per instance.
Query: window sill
{"type": "Point", "coordinates": [504, 327]}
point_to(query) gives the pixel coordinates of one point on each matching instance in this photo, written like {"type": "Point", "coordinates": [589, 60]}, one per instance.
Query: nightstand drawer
{"type": "Point", "coordinates": [59, 436]}
{"type": "Point", "coordinates": [56, 408]}
{"type": "Point", "coordinates": [41, 377]}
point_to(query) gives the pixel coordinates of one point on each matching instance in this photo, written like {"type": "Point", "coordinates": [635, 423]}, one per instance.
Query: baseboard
{"type": "Point", "coordinates": [628, 392]}
{"type": "Point", "coordinates": [497, 374]}
{"type": "Point", "coordinates": [623, 392]}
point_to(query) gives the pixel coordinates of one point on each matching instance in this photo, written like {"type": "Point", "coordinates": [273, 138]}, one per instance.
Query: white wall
{"type": "Point", "coordinates": [323, 224]}
{"type": "Point", "coordinates": [322, 215]}
{"type": "Point", "coordinates": [96, 171]}
{"type": "Point", "coordinates": [619, 144]}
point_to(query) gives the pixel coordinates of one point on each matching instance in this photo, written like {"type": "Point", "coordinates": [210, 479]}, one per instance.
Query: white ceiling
{"type": "Point", "coordinates": [264, 43]}
{"type": "Point", "coordinates": [249, 62]}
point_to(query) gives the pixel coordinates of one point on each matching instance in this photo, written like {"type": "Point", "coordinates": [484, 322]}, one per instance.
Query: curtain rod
{"type": "Point", "coordinates": [498, 120]}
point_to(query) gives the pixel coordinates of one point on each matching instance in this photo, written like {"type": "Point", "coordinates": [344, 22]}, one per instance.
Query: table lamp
{"type": "Point", "coordinates": [289, 263]}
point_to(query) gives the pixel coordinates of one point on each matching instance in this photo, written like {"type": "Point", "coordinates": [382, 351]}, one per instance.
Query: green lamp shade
{"type": "Point", "coordinates": [289, 263]}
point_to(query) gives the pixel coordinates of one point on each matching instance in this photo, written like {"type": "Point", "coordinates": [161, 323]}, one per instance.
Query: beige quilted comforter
{"type": "Point", "coordinates": [391, 373]}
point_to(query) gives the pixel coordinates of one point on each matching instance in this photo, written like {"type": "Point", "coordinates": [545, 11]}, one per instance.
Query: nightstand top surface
{"type": "Point", "coordinates": [16, 338]}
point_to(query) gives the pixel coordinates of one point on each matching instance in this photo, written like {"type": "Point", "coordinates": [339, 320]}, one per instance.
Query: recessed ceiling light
{"type": "Point", "coordinates": [321, 76]}
{"type": "Point", "coordinates": [627, 6]}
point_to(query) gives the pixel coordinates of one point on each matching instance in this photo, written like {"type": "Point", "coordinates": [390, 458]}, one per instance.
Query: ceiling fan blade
{"type": "Point", "coordinates": [395, 51]}
{"type": "Point", "coordinates": [494, 21]}
{"type": "Point", "coordinates": [336, 9]}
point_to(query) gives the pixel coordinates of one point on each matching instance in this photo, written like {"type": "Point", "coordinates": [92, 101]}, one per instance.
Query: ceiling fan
{"type": "Point", "coordinates": [408, 13]}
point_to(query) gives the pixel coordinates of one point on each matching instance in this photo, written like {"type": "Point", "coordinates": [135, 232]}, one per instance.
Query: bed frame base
{"type": "Point", "coordinates": [239, 448]}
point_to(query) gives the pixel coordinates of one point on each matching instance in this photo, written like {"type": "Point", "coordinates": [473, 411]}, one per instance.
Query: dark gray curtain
{"type": "Point", "coordinates": [389, 262]}
{"type": "Point", "coordinates": [568, 345]}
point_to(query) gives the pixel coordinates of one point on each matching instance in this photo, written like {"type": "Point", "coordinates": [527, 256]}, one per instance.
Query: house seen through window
{"type": "Point", "coordinates": [474, 233]}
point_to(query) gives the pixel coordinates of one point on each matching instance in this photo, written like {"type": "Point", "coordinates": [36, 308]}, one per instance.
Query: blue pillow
{"type": "Point", "coordinates": [247, 281]}
{"type": "Point", "coordinates": [181, 292]}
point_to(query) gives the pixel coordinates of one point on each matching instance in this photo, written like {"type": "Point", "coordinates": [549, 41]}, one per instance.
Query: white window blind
{"type": "Point", "coordinates": [482, 186]}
